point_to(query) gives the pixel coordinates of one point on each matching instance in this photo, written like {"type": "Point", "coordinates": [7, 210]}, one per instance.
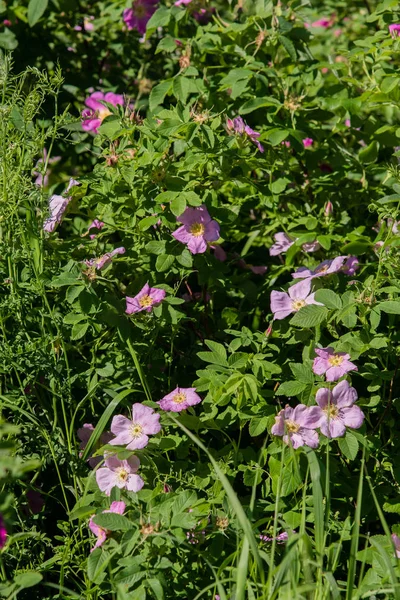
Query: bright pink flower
{"type": "Point", "coordinates": [119, 473]}
{"type": "Point", "coordinates": [182, 2]}
{"type": "Point", "coordinates": [146, 299]}
{"type": "Point", "coordinates": [347, 123]}
{"type": "Point", "coordinates": [394, 29]}
{"type": "Point", "coordinates": [327, 267]}
{"type": "Point", "coordinates": [396, 541]}
{"type": "Point", "coordinates": [239, 127]}
{"type": "Point", "coordinates": [198, 228]}
{"type": "Point", "coordinates": [140, 13]}
{"type": "Point", "coordinates": [99, 532]}
{"type": "Point", "coordinates": [3, 532]}
{"type": "Point", "coordinates": [311, 246]}
{"type": "Point", "coordinates": [103, 261]}
{"type": "Point", "coordinates": [92, 117]}
{"type": "Point", "coordinates": [284, 304]}
{"type": "Point", "coordinates": [282, 243]}
{"type": "Point", "coordinates": [281, 538]}
{"type": "Point", "coordinates": [134, 432]}
{"type": "Point", "coordinates": [86, 24]}
{"type": "Point", "coordinates": [179, 399]}
{"type": "Point", "coordinates": [332, 364]}
{"type": "Point", "coordinates": [336, 410]}
{"type": "Point", "coordinates": [307, 142]}
{"type": "Point", "coordinates": [324, 22]}
{"type": "Point", "coordinates": [351, 265]}
{"type": "Point", "coordinates": [84, 434]}
{"type": "Point", "coordinates": [286, 143]}
{"type": "Point", "coordinates": [297, 425]}
{"type": "Point", "coordinates": [7, 23]}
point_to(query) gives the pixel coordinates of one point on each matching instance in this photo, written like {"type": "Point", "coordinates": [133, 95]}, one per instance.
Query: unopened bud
{"type": "Point", "coordinates": [328, 210]}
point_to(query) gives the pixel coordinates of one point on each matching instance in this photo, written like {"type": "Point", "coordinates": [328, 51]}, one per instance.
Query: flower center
{"type": "Point", "coordinates": [136, 430]}
{"type": "Point", "coordinates": [102, 113]}
{"type": "Point", "coordinates": [146, 301]}
{"type": "Point", "coordinates": [335, 360]}
{"type": "Point", "coordinates": [322, 269]}
{"type": "Point", "coordinates": [179, 398]}
{"type": "Point", "coordinates": [331, 411]}
{"type": "Point", "coordinates": [122, 474]}
{"type": "Point", "coordinates": [298, 303]}
{"type": "Point", "coordinates": [197, 229]}
{"type": "Point", "coordinates": [292, 427]}
{"type": "Point", "coordinates": [139, 10]}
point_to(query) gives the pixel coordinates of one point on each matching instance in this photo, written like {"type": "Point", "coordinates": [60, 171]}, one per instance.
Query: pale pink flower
{"type": "Point", "coordinates": [282, 243]}
{"type": "Point", "coordinates": [99, 532]}
{"type": "Point", "coordinates": [281, 538]}
{"type": "Point", "coordinates": [239, 127]}
{"type": "Point", "coordinates": [119, 473]}
{"type": "Point", "coordinates": [179, 399]}
{"type": "Point", "coordinates": [96, 224]}
{"type": "Point", "coordinates": [327, 267]}
{"type": "Point", "coordinates": [93, 116]}
{"type": "Point", "coordinates": [311, 246]}
{"type": "Point", "coordinates": [146, 299]}
{"type": "Point", "coordinates": [134, 432]}
{"type": "Point", "coordinates": [396, 540]}
{"type": "Point", "coordinates": [351, 265]}
{"type": "Point", "coordinates": [57, 208]}
{"type": "Point", "coordinates": [286, 143]}
{"type": "Point", "coordinates": [105, 260]}
{"type": "Point", "coordinates": [297, 425]}
{"type": "Point", "coordinates": [84, 433]}
{"type": "Point", "coordinates": [284, 304]}
{"type": "Point", "coordinates": [198, 228]}
{"type": "Point", "coordinates": [138, 16]}
{"type": "Point", "coordinates": [307, 142]}
{"type": "Point", "coordinates": [87, 25]}
{"type": "Point", "coordinates": [336, 410]}
{"type": "Point", "coordinates": [332, 364]}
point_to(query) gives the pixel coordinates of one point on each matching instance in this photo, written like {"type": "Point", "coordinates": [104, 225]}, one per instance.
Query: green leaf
{"type": "Point", "coordinates": [113, 522]}
{"type": "Point", "coordinates": [73, 293]}
{"type": "Point", "coordinates": [96, 563]}
{"type": "Point", "coordinates": [185, 259]}
{"type": "Point", "coordinates": [289, 47]}
{"type": "Point", "coordinates": [370, 153]}
{"type": "Point", "coordinates": [156, 588]}
{"type": "Point", "coordinates": [302, 372]}
{"type": "Point", "coordinates": [392, 307]}
{"type": "Point", "coordinates": [158, 93]}
{"type": "Point", "coordinates": [184, 521]}
{"type": "Point", "coordinates": [27, 579]}
{"type": "Point", "coordinates": [163, 262]}
{"type": "Point", "coordinates": [357, 248]}
{"type": "Point", "coordinates": [147, 222]}
{"type": "Point", "coordinates": [348, 445]}
{"type": "Point", "coordinates": [256, 103]}
{"type": "Point", "coordinates": [309, 316]}
{"type": "Point", "coordinates": [156, 247]}
{"type": "Point", "coordinates": [328, 298]}
{"type": "Point", "coordinates": [258, 425]}
{"type": "Point", "coordinates": [8, 40]}
{"type": "Point", "coordinates": [178, 205]}
{"type": "Point", "coordinates": [390, 198]}
{"type": "Point", "coordinates": [160, 18]}
{"type": "Point", "coordinates": [291, 388]}
{"type": "Point", "coordinates": [79, 330]}
{"type": "Point", "coordinates": [36, 9]}
{"type": "Point", "coordinates": [181, 88]}
{"type": "Point", "coordinates": [110, 126]}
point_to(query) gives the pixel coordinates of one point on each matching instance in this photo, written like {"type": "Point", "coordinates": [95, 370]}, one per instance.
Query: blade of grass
{"type": "Point", "coordinates": [355, 534]}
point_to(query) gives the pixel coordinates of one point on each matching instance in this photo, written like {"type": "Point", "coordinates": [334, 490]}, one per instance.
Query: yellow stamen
{"type": "Point", "coordinates": [136, 430]}
{"type": "Point", "coordinates": [297, 304]}
{"type": "Point", "coordinates": [146, 301]}
{"type": "Point", "coordinates": [335, 360]}
{"type": "Point", "coordinates": [197, 229]}
{"type": "Point", "coordinates": [122, 474]}
{"type": "Point", "coordinates": [179, 398]}
{"type": "Point", "coordinates": [332, 411]}
{"type": "Point", "coordinates": [292, 427]}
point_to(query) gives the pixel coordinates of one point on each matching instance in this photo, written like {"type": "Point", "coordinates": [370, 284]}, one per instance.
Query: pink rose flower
{"type": "Point", "coordinates": [297, 425]}
{"type": "Point", "coordinates": [99, 532]}
{"type": "Point", "coordinates": [179, 399]}
{"type": "Point", "coordinates": [307, 142]}
{"type": "Point", "coordinates": [93, 116]}
{"type": "Point", "coordinates": [327, 267]}
{"type": "Point", "coordinates": [332, 364]}
{"type": "Point", "coordinates": [138, 16]}
{"type": "Point", "coordinates": [282, 243]}
{"type": "Point", "coordinates": [351, 265]}
{"type": "Point", "coordinates": [84, 434]}
{"type": "Point", "coordinates": [198, 228]}
{"type": "Point", "coordinates": [134, 432]}
{"type": "Point", "coordinates": [284, 304]}
{"type": "Point", "coordinates": [239, 127]}
{"type": "Point", "coordinates": [324, 22]}
{"type": "Point", "coordinates": [394, 30]}
{"type": "Point", "coordinates": [119, 473]}
{"type": "Point", "coordinates": [337, 411]}
{"type": "Point", "coordinates": [105, 260]}
{"type": "Point", "coordinates": [146, 299]}
{"type": "Point", "coordinates": [96, 224]}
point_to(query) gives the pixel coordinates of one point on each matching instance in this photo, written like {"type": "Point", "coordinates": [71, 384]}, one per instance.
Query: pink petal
{"type": "Point", "coordinates": [322, 397]}
{"type": "Point", "coordinates": [300, 290]}
{"type": "Point", "coordinates": [344, 394]}
{"type": "Point", "coordinates": [106, 480]}
{"type": "Point", "coordinates": [134, 483]}
{"type": "Point", "coordinates": [352, 416]}
{"type": "Point", "coordinates": [197, 245]}
{"type": "Point", "coordinates": [120, 424]}
{"type": "Point", "coordinates": [280, 304]}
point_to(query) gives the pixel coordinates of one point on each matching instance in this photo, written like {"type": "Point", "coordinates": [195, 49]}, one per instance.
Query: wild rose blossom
{"type": "Point", "coordinates": [308, 142]}
{"type": "Point", "coordinates": [96, 224]}
{"type": "Point", "coordinates": [337, 410]}
{"type": "Point", "coordinates": [284, 304]}
{"type": "Point", "coordinates": [324, 22]}
{"type": "Point", "coordinates": [99, 532]}
{"type": "Point", "coordinates": [146, 299]}
{"type": "Point", "coordinates": [93, 116]}
{"type": "Point", "coordinates": [297, 425]}
{"type": "Point", "coordinates": [57, 207]}
{"type": "Point", "coordinates": [396, 540]}
{"type": "Point", "coordinates": [332, 364]}
{"type": "Point", "coordinates": [179, 399]}
{"type": "Point", "coordinates": [239, 127]}
{"type": "Point", "coordinates": [351, 265]}
{"type": "Point", "coordinates": [138, 16]}
{"type": "Point", "coordinates": [282, 243]}
{"type": "Point", "coordinates": [311, 246]}
{"type": "Point", "coordinates": [394, 30]}
{"type": "Point", "coordinates": [198, 228]}
{"type": "Point", "coordinates": [105, 260]}
{"type": "Point", "coordinates": [84, 434]}
{"type": "Point", "coordinates": [119, 473]}
{"type": "Point", "coordinates": [327, 267]}
{"type": "Point", "coordinates": [134, 432]}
